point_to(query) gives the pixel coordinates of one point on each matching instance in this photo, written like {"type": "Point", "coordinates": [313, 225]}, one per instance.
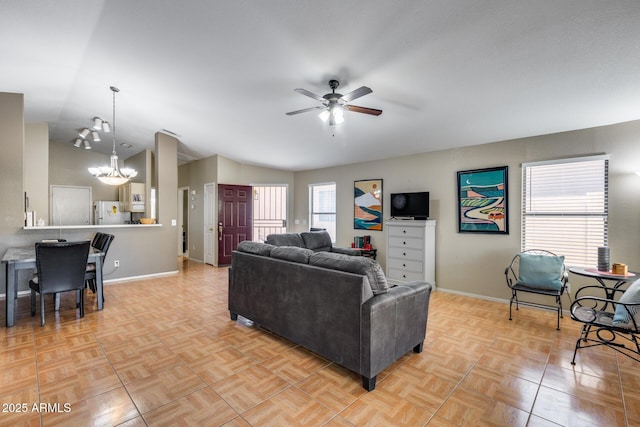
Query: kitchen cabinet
{"type": "Point", "coordinates": [132, 196]}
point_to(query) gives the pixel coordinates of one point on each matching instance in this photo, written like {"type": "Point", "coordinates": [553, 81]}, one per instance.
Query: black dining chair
{"type": "Point", "coordinates": [61, 267]}
{"type": "Point", "coordinates": [102, 243]}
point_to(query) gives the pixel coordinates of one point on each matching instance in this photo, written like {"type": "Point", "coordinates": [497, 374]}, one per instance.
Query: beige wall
{"type": "Point", "coordinates": [36, 165]}
{"type": "Point", "coordinates": [68, 166]}
{"type": "Point", "coordinates": [141, 250]}
{"type": "Point", "coordinates": [220, 170]}
{"type": "Point", "coordinates": [467, 263]}
{"type": "Point", "coordinates": [195, 175]}
{"type": "Point", "coordinates": [11, 173]}
{"type": "Point", "coordinates": [475, 263]}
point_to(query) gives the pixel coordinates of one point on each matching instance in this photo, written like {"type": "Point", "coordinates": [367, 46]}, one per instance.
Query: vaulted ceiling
{"type": "Point", "coordinates": [222, 74]}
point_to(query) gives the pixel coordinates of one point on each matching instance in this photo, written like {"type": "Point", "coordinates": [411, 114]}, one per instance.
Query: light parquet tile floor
{"type": "Point", "coordinates": [163, 352]}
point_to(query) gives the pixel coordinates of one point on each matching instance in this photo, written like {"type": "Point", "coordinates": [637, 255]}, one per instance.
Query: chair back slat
{"type": "Point", "coordinates": [105, 243]}
{"type": "Point", "coordinates": [61, 266]}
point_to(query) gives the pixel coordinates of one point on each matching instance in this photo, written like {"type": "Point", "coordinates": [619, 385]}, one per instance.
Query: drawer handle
{"type": "Point", "coordinates": [404, 276]}
{"type": "Point", "coordinates": [404, 243]}
{"type": "Point", "coordinates": [404, 231]}
{"type": "Point", "coordinates": [404, 265]}
{"type": "Point", "coordinates": [404, 254]}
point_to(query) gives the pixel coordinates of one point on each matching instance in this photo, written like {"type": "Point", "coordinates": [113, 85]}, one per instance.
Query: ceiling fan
{"type": "Point", "coordinates": [334, 104]}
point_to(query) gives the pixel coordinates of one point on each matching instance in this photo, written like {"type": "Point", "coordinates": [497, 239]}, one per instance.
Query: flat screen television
{"type": "Point", "coordinates": [410, 205]}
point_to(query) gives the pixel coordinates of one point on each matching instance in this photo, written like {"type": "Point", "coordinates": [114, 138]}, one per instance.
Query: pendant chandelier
{"type": "Point", "coordinates": [113, 175]}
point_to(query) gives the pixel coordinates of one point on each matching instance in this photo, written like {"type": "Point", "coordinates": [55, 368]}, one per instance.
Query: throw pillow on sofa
{"type": "Point", "coordinates": [285, 239]}
{"type": "Point", "coordinates": [317, 240]}
{"type": "Point", "coordinates": [353, 264]}
{"type": "Point", "coordinates": [256, 248]}
{"type": "Point", "coordinates": [292, 253]}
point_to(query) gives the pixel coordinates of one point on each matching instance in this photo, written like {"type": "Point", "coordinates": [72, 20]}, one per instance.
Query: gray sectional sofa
{"type": "Point", "coordinates": [338, 306]}
{"type": "Point", "coordinates": [317, 241]}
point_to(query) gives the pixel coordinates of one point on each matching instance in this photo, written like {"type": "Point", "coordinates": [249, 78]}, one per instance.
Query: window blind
{"type": "Point", "coordinates": [565, 207]}
{"type": "Point", "coordinates": [323, 207]}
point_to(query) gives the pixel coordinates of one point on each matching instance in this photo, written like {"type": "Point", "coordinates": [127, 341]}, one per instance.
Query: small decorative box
{"type": "Point", "coordinates": [619, 269]}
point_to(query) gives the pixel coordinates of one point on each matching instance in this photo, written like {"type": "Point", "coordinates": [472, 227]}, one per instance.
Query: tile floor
{"type": "Point", "coordinates": [164, 352]}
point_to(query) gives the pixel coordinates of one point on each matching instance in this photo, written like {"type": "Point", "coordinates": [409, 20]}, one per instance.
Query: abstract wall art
{"type": "Point", "coordinates": [482, 201]}
{"type": "Point", "coordinates": [367, 207]}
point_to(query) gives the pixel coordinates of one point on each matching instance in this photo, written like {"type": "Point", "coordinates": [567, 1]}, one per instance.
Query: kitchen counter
{"type": "Point", "coordinates": [81, 227]}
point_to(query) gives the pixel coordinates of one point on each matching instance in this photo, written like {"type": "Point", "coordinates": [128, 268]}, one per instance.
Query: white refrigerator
{"type": "Point", "coordinates": [108, 212]}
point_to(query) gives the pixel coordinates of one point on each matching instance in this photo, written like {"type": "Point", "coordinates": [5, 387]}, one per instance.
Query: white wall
{"type": "Point", "coordinates": [475, 263]}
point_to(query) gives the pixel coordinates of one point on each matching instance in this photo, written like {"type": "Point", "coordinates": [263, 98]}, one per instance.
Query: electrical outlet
{"type": "Point", "coordinates": [116, 263]}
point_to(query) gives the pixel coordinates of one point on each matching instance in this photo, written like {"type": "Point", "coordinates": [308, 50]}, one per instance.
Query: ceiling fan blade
{"type": "Point", "coordinates": [304, 110]}
{"type": "Point", "coordinates": [310, 94]}
{"type": "Point", "coordinates": [355, 94]}
{"type": "Point", "coordinates": [365, 110]}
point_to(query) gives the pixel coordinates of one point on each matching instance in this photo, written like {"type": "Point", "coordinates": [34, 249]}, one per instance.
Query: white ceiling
{"type": "Point", "coordinates": [221, 74]}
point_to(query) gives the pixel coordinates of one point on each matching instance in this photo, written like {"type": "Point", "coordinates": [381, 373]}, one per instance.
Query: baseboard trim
{"type": "Point", "coordinates": [108, 282]}
{"type": "Point", "coordinates": [140, 277]}
{"type": "Point", "coordinates": [502, 300]}
{"type": "Point", "coordinates": [468, 294]}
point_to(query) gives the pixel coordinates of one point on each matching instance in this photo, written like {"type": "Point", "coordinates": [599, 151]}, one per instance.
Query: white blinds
{"type": "Point", "coordinates": [565, 208]}
{"type": "Point", "coordinates": [324, 198]}
{"type": "Point", "coordinates": [323, 207]}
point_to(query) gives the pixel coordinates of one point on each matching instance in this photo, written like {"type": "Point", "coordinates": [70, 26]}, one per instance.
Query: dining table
{"type": "Point", "coordinates": [24, 258]}
{"type": "Point", "coordinates": [615, 281]}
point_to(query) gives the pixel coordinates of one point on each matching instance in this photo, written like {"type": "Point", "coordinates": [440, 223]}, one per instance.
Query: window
{"type": "Point", "coordinates": [323, 207]}
{"type": "Point", "coordinates": [565, 207]}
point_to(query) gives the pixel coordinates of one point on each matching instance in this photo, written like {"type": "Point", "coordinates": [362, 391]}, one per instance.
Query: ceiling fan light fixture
{"type": "Point", "coordinates": [106, 127]}
{"type": "Point", "coordinates": [337, 114]}
{"type": "Point", "coordinates": [96, 136]}
{"type": "Point", "coordinates": [77, 143]}
{"type": "Point", "coordinates": [87, 146]}
{"type": "Point", "coordinates": [85, 132]}
{"type": "Point", "coordinates": [324, 115]}
{"type": "Point", "coordinates": [97, 123]}
{"type": "Point", "coordinates": [334, 104]}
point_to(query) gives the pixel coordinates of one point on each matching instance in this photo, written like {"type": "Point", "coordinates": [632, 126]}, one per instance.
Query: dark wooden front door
{"type": "Point", "coordinates": [234, 219]}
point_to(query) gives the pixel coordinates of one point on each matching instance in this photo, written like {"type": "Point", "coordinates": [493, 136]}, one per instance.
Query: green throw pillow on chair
{"type": "Point", "coordinates": [540, 271]}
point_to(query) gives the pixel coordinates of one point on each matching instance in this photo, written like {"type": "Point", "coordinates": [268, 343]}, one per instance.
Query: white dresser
{"type": "Point", "coordinates": [411, 247]}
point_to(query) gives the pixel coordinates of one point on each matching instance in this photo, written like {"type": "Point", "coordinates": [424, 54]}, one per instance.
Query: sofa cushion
{"type": "Point", "coordinates": [292, 253]}
{"type": "Point", "coordinates": [358, 265]}
{"type": "Point", "coordinates": [317, 240]}
{"type": "Point", "coordinates": [285, 239]}
{"type": "Point", "coordinates": [256, 248]}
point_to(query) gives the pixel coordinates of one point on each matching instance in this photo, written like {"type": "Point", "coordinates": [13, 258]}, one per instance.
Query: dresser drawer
{"type": "Point", "coordinates": [405, 242]}
{"type": "Point", "coordinates": [405, 276]}
{"type": "Point", "coordinates": [406, 253]}
{"type": "Point", "coordinates": [405, 265]}
{"type": "Point", "coordinates": [406, 231]}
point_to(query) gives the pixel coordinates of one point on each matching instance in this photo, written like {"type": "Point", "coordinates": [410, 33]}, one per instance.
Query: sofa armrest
{"type": "Point", "coordinates": [347, 251]}
{"type": "Point", "coordinates": [394, 323]}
